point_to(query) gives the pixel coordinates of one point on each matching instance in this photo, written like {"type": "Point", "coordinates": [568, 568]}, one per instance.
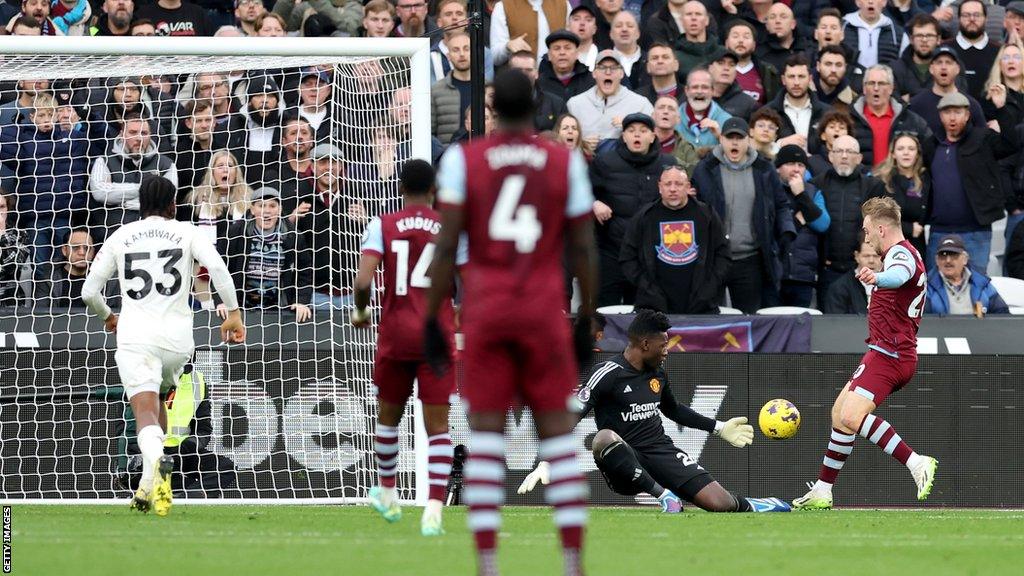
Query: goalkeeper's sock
{"type": "Point", "coordinates": [151, 444]}
{"type": "Point", "coordinates": [484, 494]}
{"type": "Point", "coordinates": [385, 445]}
{"type": "Point", "coordinates": [567, 493]}
{"type": "Point", "coordinates": [619, 461]}
{"type": "Point", "coordinates": [882, 434]}
{"type": "Point", "coordinates": [840, 445]}
{"type": "Point", "coordinates": [439, 464]}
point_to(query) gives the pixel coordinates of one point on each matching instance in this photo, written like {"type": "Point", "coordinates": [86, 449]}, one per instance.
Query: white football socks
{"type": "Point", "coordinates": [433, 508]}
{"type": "Point", "coordinates": [151, 444]}
{"type": "Point", "coordinates": [914, 461]}
{"type": "Point", "coordinates": [387, 495]}
{"type": "Point", "coordinates": [822, 487]}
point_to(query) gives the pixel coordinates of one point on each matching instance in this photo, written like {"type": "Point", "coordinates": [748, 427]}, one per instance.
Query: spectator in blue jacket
{"type": "Point", "coordinates": [954, 287]}
{"type": "Point", "coordinates": [811, 220]}
{"type": "Point", "coordinates": [700, 117]}
{"type": "Point", "coordinates": [52, 166]}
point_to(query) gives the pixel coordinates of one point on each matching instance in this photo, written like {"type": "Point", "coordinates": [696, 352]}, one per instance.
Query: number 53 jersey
{"type": "Point", "coordinates": [518, 194]}
{"type": "Point", "coordinates": [154, 259]}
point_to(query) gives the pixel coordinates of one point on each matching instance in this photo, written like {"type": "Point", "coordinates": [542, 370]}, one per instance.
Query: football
{"type": "Point", "coordinates": [779, 419]}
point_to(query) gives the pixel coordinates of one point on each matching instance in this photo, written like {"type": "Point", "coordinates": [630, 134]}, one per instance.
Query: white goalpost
{"type": "Point", "coordinates": [291, 412]}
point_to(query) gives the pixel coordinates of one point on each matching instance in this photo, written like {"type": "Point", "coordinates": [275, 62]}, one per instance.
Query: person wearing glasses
{"type": "Point", "coordinates": [945, 69]}
{"type": "Point", "coordinates": [958, 287]}
{"type": "Point", "coordinates": [877, 116]}
{"type": "Point", "coordinates": [67, 275]}
{"type": "Point", "coordinates": [601, 109]}
{"type": "Point", "coordinates": [846, 185]}
{"type": "Point", "coordinates": [911, 70]}
{"type": "Point", "coordinates": [976, 50]}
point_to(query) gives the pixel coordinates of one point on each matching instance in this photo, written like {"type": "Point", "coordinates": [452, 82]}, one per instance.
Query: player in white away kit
{"type": "Point", "coordinates": [153, 259]}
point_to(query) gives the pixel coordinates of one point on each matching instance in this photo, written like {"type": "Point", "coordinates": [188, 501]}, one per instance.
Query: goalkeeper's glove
{"type": "Point", "coordinates": [583, 341]}
{"type": "Point", "coordinates": [435, 345]}
{"type": "Point", "coordinates": [360, 317]}
{"type": "Point", "coordinates": [540, 474]}
{"type": "Point", "coordinates": [736, 431]}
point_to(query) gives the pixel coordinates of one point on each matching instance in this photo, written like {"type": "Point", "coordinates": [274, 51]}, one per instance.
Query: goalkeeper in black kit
{"type": "Point", "coordinates": [628, 394]}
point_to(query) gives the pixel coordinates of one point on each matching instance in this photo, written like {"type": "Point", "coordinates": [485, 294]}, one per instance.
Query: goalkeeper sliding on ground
{"type": "Point", "coordinates": [628, 394]}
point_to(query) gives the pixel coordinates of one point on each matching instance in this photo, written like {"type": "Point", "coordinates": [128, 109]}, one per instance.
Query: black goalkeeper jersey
{"type": "Point", "coordinates": [630, 403]}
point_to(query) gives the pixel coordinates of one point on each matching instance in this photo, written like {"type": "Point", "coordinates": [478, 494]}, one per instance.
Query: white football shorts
{"type": "Point", "coordinates": [149, 368]}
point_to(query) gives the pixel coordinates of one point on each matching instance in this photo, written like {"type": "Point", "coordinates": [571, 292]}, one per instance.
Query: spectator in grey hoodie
{"type": "Point", "coordinates": [600, 110]}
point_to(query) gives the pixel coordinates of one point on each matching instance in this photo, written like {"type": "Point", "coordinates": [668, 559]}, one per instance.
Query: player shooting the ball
{"type": "Point", "coordinates": [628, 394]}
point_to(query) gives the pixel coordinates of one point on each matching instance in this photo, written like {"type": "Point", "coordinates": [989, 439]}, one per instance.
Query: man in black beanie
{"type": "Point", "coordinates": [810, 218]}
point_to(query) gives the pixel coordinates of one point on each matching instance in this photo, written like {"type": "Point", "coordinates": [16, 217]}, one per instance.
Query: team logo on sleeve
{"type": "Point", "coordinates": [584, 394]}
{"type": "Point", "coordinates": [678, 245]}
{"type": "Point", "coordinates": [655, 385]}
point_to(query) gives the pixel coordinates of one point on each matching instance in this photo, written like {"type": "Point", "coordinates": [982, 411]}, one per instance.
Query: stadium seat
{"type": "Point", "coordinates": [616, 309]}
{"type": "Point", "coordinates": [730, 311]}
{"type": "Point", "coordinates": [1017, 310]}
{"type": "Point", "coordinates": [1011, 289]}
{"type": "Point", "coordinates": [788, 311]}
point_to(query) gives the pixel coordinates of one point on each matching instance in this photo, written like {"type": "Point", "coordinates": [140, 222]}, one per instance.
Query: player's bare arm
{"type": "Point", "coordinates": [442, 271]}
{"type": "Point", "coordinates": [368, 264]}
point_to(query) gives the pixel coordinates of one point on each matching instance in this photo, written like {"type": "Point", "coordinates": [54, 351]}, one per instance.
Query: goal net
{"type": "Point", "coordinates": [320, 127]}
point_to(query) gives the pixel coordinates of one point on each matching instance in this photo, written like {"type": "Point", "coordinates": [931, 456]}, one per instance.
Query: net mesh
{"type": "Point", "coordinates": [289, 414]}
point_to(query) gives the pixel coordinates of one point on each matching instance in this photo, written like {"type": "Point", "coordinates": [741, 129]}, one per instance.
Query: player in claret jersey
{"type": "Point", "coordinates": [404, 242]}
{"type": "Point", "coordinates": [518, 199]}
{"type": "Point", "coordinates": [894, 315]}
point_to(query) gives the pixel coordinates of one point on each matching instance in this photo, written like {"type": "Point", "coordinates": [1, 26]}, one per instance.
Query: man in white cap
{"type": "Point", "coordinates": [600, 110]}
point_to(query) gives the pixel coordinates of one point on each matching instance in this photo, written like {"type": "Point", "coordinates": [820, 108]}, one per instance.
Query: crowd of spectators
{"type": "Point", "coordinates": [731, 142]}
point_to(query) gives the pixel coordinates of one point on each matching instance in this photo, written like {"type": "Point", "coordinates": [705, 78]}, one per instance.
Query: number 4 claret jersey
{"type": "Point", "coordinates": [518, 194]}
{"type": "Point", "coordinates": [404, 241]}
{"type": "Point", "coordinates": [895, 313]}
{"type": "Point", "coordinates": [153, 259]}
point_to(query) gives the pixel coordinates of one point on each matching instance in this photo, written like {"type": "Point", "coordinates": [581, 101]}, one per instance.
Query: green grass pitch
{"type": "Point", "coordinates": [353, 541]}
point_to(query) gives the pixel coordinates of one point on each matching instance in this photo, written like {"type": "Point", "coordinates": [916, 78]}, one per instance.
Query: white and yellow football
{"type": "Point", "coordinates": [779, 419]}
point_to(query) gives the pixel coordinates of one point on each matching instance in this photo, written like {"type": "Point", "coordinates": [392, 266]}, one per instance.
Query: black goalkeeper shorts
{"type": "Point", "coordinates": [669, 466]}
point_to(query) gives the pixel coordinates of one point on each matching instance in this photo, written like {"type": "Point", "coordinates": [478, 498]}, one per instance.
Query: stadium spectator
{"type": "Point", "coordinates": [744, 189]}
{"type": "Point", "coordinates": [228, 31]}
{"type": "Point", "coordinates": [601, 109]}
{"type": "Point", "coordinates": [270, 25]}
{"type": "Point", "coordinates": [547, 106]}
{"type": "Point", "coordinates": [847, 294]}
{"type": "Point", "coordinates": [560, 72]}
{"type": "Point", "coordinates": [956, 288]}
{"type": "Point", "coordinates": [221, 197]}
{"type": "Point", "coordinates": [254, 131]}
{"type": "Point", "coordinates": [660, 77]}
{"type": "Point", "coordinates": [833, 124]}
{"type": "Point", "coordinates": [944, 70]}
{"type": "Point", "coordinates": [71, 16]}
{"type": "Point", "coordinates": [700, 116]}
{"type": "Point", "coordinates": [907, 180]}
{"type": "Point", "coordinates": [378, 19]}
{"type": "Point", "coordinates": [877, 116]}
{"type": "Point", "coordinates": [727, 91]}
{"type": "Point", "coordinates": [39, 11]}
{"type": "Point", "coordinates": [462, 136]}
{"type": "Point", "coordinates": [798, 107]}
{"type": "Point", "coordinates": [268, 260]}
{"type": "Point", "coordinates": [697, 43]}
{"type": "Point", "coordinates": [872, 35]}
{"type": "Point", "coordinates": [1015, 254]}
{"type": "Point", "coordinates": [176, 18]}
{"type": "Point", "coordinates": [126, 97]}
{"type": "Point", "coordinates": [67, 275]}
{"type": "Point", "coordinates": [314, 104]}
{"type": "Point", "coordinates": [1013, 21]}
{"type": "Point", "coordinates": [624, 177]}
{"type": "Point", "coordinates": [15, 256]}
{"type": "Point", "coordinates": [764, 130]}
{"type": "Point", "coordinates": [666, 122]}
{"type": "Point", "coordinates": [604, 14]}
{"type": "Point", "coordinates": [413, 21]}
{"type": "Point", "coordinates": [450, 96]}
{"type": "Point", "coordinates": [195, 147]}
{"type": "Point", "coordinates": [115, 20]}
{"type": "Point", "coordinates": [51, 167]}
{"type": "Point", "coordinates": [967, 200]}
{"type": "Point", "coordinates": [142, 27]}
{"type": "Point", "coordinates": [674, 250]}
{"type": "Point", "coordinates": [294, 173]}
{"type": "Point", "coordinates": [17, 110]}
{"type": "Point", "coordinates": [1009, 72]}
{"type": "Point", "coordinates": [583, 23]}
{"type": "Point", "coordinates": [783, 40]}
{"type": "Point", "coordinates": [810, 219]}
{"type": "Point", "coordinates": [115, 178]}
{"type": "Point", "coordinates": [846, 185]}
{"type": "Point", "coordinates": [246, 14]}
{"type": "Point", "coordinates": [758, 79]}
{"type": "Point", "coordinates": [625, 35]}
{"type": "Point", "coordinates": [830, 82]}
{"type": "Point", "coordinates": [25, 26]}
{"type": "Point", "coordinates": [452, 19]}
{"type": "Point", "coordinates": [323, 225]}
{"type": "Point", "coordinates": [977, 51]}
{"type": "Point", "coordinates": [828, 30]}
{"type": "Point", "coordinates": [911, 70]}
{"type": "Point", "coordinates": [215, 88]}
{"type": "Point", "coordinates": [567, 131]}
{"type": "Point", "coordinates": [378, 173]}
